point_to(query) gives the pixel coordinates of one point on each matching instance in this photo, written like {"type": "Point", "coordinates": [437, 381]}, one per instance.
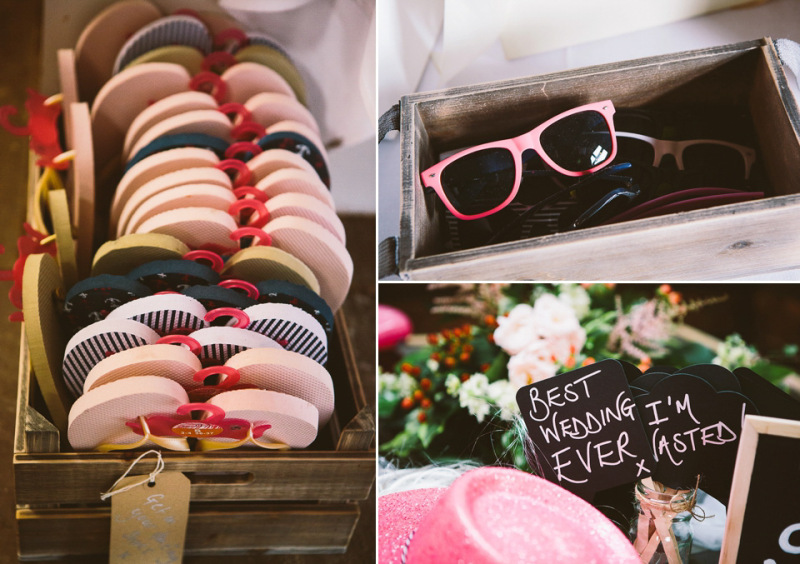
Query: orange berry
{"type": "Point", "coordinates": [464, 377]}
{"type": "Point", "coordinates": [421, 417]}
{"type": "Point", "coordinates": [446, 333]}
{"type": "Point", "coordinates": [433, 338]}
{"type": "Point", "coordinates": [407, 403]}
{"type": "Point", "coordinates": [425, 403]}
{"type": "Point", "coordinates": [425, 384]}
{"type": "Point", "coordinates": [418, 395]}
{"type": "Point", "coordinates": [587, 361]}
{"type": "Point", "coordinates": [457, 332]}
{"type": "Point", "coordinates": [468, 348]}
{"type": "Point", "coordinates": [675, 298]}
{"type": "Point", "coordinates": [406, 367]}
{"type": "Point", "coordinates": [415, 371]}
{"type": "Point", "coordinates": [490, 320]}
{"type": "Point", "coordinates": [484, 367]}
{"type": "Point", "coordinates": [436, 356]}
{"type": "Point", "coordinates": [449, 362]}
{"type": "Point", "coordinates": [664, 289]}
{"type": "Point", "coordinates": [464, 357]}
{"type": "Point", "coordinates": [466, 329]}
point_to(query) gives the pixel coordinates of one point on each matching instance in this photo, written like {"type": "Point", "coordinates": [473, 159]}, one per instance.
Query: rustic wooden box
{"type": "Point", "coordinates": [712, 244]}
{"type": "Point", "coordinates": [243, 501]}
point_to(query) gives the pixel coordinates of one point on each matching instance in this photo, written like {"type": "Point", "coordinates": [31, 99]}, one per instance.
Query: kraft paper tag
{"type": "Point", "coordinates": [148, 524]}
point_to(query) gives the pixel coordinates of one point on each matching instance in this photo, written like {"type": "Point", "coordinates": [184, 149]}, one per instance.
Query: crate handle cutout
{"type": "Point", "coordinates": [220, 478]}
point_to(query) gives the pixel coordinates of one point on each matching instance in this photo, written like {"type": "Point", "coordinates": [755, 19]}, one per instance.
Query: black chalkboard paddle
{"type": "Point", "coordinates": [693, 430]}
{"type": "Point", "coordinates": [586, 431]}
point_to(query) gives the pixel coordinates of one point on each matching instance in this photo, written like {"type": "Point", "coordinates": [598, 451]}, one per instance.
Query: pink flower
{"type": "Point", "coordinates": [558, 325]}
{"type": "Point", "coordinates": [531, 365]}
{"type": "Point", "coordinates": [517, 330]}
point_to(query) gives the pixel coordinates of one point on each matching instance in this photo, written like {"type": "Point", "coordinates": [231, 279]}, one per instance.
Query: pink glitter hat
{"type": "Point", "coordinates": [492, 515]}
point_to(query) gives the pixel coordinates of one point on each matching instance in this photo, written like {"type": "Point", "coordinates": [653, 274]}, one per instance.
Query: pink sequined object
{"type": "Point", "coordinates": [493, 515]}
{"type": "Point", "coordinates": [399, 515]}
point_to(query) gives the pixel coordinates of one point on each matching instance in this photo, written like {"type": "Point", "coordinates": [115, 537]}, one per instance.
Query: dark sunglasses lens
{"type": "Point", "coordinates": [636, 151]}
{"type": "Point", "coordinates": [578, 142]}
{"type": "Point", "coordinates": [480, 181]}
{"type": "Point", "coordinates": [717, 164]}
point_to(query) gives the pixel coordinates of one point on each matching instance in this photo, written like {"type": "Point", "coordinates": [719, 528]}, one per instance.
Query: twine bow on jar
{"type": "Point", "coordinates": [662, 531]}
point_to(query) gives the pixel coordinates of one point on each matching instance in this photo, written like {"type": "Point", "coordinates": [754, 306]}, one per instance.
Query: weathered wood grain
{"type": "Point", "coordinates": [219, 530]}
{"type": "Point", "coordinates": [712, 244]}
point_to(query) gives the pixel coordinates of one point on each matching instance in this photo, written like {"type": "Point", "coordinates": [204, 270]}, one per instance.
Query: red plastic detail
{"type": "Point", "coordinates": [200, 255]}
{"type": "Point", "coordinates": [264, 238]}
{"type": "Point", "coordinates": [42, 128]}
{"type": "Point", "coordinates": [181, 424]}
{"type": "Point", "coordinates": [232, 35]}
{"type": "Point", "coordinates": [162, 292]}
{"type": "Point", "coordinates": [243, 173]}
{"type": "Point", "coordinates": [239, 112]}
{"type": "Point", "coordinates": [230, 373]}
{"type": "Point", "coordinates": [260, 430]}
{"type": "Point", "coordinates": [248, 131]}
{"type": "Point", "coordinates": [190, 342]}
{"type": "Point", "coordinates": [242, 147]}
{"type": "Point", "coordinates": [218, 62]}
{"type": "Point", "coordinates": [207, 81]}
{"type": "Point", "coordinates": [242, 319]}
{"type": "Point", "coordinates": [28, 244]}
{"type": "Point", "coordinates": [261, 214]}
{"type": "Point", "coordinates": [249, 288]}
{"type": "Point", "coordinates": [242, 191]}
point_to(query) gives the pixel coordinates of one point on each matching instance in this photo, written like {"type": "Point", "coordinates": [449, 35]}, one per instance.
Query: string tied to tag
{"type": "Point", "coordinates": [151, 478]}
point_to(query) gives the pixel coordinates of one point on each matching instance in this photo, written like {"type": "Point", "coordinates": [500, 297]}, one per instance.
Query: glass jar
{"type": "Point", "coordinates": [662, 532]}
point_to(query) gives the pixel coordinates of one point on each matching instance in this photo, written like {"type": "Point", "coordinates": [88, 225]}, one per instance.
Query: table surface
{"type": "Point", "coordinates": [775, 18]}
{"type": "Point", "coordinates": [20, 34]}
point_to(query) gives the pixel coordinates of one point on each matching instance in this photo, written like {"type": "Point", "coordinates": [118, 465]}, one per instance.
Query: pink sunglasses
{"type": "Point", "coordinates": [484, 179]}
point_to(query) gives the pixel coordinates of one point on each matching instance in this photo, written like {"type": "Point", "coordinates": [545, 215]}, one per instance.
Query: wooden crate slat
{"type": "Point", "coordinates": [221, 530]}
{"type": "Point", "coordinates": [69, 478]}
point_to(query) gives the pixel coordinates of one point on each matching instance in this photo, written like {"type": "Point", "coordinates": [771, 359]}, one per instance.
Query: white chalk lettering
{"type": "Point", "coordinates": [558, 466]}
{"type": "Point", "coordinates": [656, 420]}
{"type": "Point", "coordinates": [784, 541]}
{"type": "Point", "coordinates": [540, 407]}
{"type": "Point", "coordinates": [716, 434]}
{"type": "Point", "coordinates": [685, 406]}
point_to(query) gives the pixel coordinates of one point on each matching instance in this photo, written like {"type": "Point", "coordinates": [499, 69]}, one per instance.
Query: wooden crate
{"type": "Point", "coordinates": [713, 244]}
{"type": "Point", "coordinates": [243, 501]}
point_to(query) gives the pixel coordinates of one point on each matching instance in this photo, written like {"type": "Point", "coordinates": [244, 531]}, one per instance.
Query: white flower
{"type": "Point", "coordinates": [503, 395]}
{"type": "Point", "coordinates": [472, 396]}
{"type": "Point", "coordinates": [576, 297]}
{"type": "Point", "coordinates": [735, 352]}
{"type": "Point", "coordinates": [432, 365]}
{"type": "Point", "coordinates": [452, 384]}
{"type": "Point", "coordinates": [386, 381]}
{"type": "Point", "coordinates": [531, 365]}
{"type": "Point", "coordinates": [402, 385]}
{"type": "Point", "coordinates": [516, 330]}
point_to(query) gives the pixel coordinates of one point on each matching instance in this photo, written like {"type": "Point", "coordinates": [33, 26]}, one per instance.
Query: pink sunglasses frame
{"type": "Point", "coordinates": [432, 177]}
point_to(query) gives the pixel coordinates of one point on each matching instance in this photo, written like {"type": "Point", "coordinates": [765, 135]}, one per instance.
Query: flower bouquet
{"type": "Point", "coordinates": [453, 396]}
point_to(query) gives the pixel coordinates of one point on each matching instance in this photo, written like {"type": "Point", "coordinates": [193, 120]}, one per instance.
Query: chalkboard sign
{"type": "Point", "coordinates": [763, 523]}
{"type": "Point", "coordinates": [693, 429]}
{"type": "Point", "coordinates": [585, 428]}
